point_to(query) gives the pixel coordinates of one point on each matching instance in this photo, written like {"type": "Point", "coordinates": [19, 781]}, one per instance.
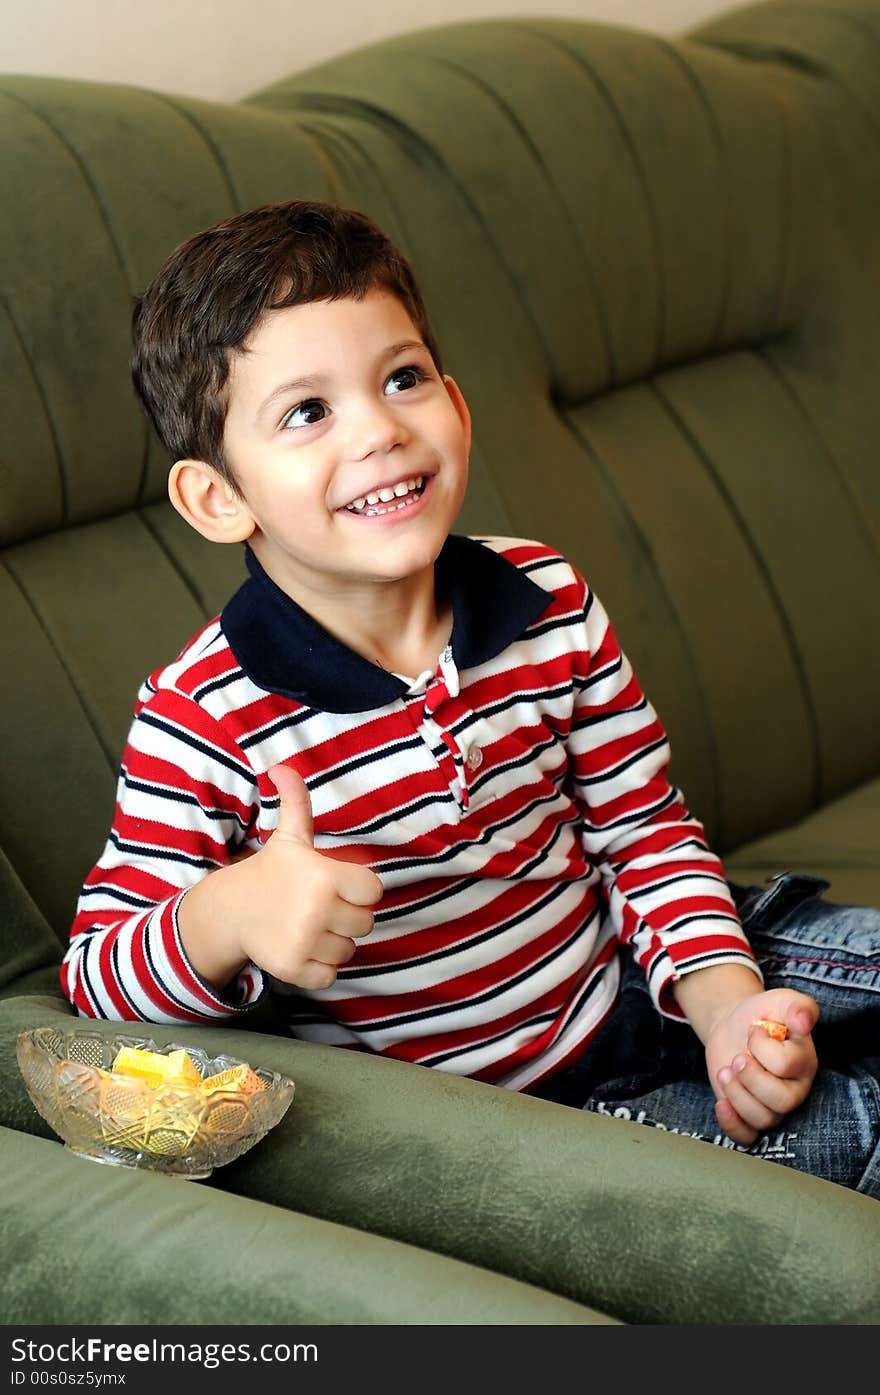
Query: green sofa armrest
{"type": "Point", "coordinates": [639, 1224]}
{"type": "Point", "coordinates": [89, 1244]}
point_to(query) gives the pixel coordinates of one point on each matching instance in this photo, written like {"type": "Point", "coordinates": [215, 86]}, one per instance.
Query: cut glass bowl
{"type": "Point", "coordinates": [176, 1129]}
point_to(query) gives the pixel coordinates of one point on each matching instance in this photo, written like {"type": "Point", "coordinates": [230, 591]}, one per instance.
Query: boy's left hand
{"type": "Point", "coordinates": [757, 1080]}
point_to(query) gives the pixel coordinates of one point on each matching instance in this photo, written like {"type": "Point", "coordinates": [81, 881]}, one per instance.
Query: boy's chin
{"type": "Point", "coordinates": [404, 567]}
{"type": "Point", "coordinates": [395, 558]}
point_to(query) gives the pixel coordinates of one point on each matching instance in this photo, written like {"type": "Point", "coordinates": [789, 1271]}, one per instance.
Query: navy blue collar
{"type": "Point", "coordinates": [282, 649]}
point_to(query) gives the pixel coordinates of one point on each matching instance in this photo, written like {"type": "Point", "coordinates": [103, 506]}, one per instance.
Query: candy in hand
{"type": "Point", "coordinates": [777, 1030]}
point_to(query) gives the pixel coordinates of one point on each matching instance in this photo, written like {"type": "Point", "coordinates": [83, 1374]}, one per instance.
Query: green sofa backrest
{"type": "Point", "coordinates": [654, 269]}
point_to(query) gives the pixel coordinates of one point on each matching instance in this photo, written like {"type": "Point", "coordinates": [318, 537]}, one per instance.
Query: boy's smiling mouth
{"type": "Point", "coordinates": [388, 499]}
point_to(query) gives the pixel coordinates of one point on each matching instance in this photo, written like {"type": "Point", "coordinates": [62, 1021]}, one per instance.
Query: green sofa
{"type": "Point", "coordinates": [655, 270]}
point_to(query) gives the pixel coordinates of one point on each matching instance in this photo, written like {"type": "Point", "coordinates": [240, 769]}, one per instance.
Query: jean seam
{"type": "Point", "coordinates": [868, 1182]}
{"type": "Point", "coordinates": [808, 959]}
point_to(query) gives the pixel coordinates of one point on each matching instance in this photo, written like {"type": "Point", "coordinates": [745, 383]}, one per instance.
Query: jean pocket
{"type": "Point", "coordinates": [786, 891]}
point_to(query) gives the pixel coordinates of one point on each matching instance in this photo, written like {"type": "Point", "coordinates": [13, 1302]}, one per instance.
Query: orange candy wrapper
{"type": "Point", "coordinates": [776, 1030]}
{"type": "Point", "coordinates": [240, 1078]}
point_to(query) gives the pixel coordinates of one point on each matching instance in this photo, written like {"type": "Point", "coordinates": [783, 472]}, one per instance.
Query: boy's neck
{"type": "Point", "coordinates": [402, 625]}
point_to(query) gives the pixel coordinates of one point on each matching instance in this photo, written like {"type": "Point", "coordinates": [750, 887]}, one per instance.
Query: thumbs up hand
{"type": "Point", "coordinates": [290, 909]}
{"type": "Point", "coordinates": [312, 907]}
{"type": "Point", "coordinates": [295, 810]}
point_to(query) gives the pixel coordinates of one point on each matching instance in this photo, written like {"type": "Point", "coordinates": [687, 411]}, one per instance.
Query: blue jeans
{"type": "Point", "coordinates": [652, 1070]}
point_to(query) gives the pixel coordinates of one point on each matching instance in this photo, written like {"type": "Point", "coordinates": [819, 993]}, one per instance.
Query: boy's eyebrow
{"type": "Point", "coordinates": [312, 384]}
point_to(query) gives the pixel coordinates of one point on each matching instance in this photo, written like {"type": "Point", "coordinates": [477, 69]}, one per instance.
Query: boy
{"type": "Point", "coordinates": [434, 858]}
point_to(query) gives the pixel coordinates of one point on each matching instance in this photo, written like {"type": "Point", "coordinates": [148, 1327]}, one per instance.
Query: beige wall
{"type": "Point", "coordinates": [225, 48]}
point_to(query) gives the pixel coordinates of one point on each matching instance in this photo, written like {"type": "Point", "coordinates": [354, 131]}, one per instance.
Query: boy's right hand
{"type": "Point", "coordinates": [291, 910]}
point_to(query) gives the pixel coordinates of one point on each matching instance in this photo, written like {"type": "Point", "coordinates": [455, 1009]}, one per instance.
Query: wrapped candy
{"type": "Point", "coordinates": [175, 1068]}
{"type": "Point", "coordinates": [777, 1030]}
{"type": "Point", "coordinates": [239, 1077]}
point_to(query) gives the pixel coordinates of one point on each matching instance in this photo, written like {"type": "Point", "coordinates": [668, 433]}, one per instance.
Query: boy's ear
{"type": "Point", "coordinates": [210, 505]}
{"type": "Point", "coordinates": [457, 398]}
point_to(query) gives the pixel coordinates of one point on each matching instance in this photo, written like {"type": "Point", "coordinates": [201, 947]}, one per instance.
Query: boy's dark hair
{"type": "Point", "coordinates": [214, 288]}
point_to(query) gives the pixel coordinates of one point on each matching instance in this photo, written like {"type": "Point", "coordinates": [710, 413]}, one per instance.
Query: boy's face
{"type": "Point", "coordinates": [349, 448]}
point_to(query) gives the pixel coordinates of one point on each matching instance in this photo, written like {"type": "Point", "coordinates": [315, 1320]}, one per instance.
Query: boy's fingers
{"type": "Point", "coordinates": [786, 1060]}
{"type": "Point", "coordinates": [333, 949]}
{"type": "Point", "coordinates": [359, 885]}
{"type": "Point", "coordinates": [798, 1012]}
{"type": "Point", "coordinates": [732, 1124]}
{"type": "Point", "coordinates": [802, 1017]}
{"type": "Point", "coordinates": [295, 810]}
{"type": "Point", "coordinates": [314, 975]}
{"type": "Point", "coordinates": [351, 920]}
{"type": "Point", "coordinates": [770, 1089]}
{"type": "Point", "coordinates": [751, 1110]}
{"type": "Point", "coordinates": [331, 952]}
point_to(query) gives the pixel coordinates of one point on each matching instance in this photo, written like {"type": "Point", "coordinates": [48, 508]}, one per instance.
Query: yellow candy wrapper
{"type": "Point", "coordinates": [175, 1068]}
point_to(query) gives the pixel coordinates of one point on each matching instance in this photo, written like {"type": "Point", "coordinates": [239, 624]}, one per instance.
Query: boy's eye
{"type": "Point", "coordinates": [305, 414]}
{"type": "Point", "coordinates": [403, 378]}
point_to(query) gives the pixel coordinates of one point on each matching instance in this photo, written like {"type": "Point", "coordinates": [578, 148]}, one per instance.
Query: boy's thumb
{"type": "Point", "coordinates": [295, 809]}
{"type": "Point", "coordinates": [801, 1014]}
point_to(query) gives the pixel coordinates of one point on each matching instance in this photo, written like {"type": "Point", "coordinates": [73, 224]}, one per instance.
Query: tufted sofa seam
{"type": "Point", "coordinates": [675, 54]}
{"type": "Point", "coordinates": [757, 51]}
{"type": "Point", "coordinates": [127, 277]}
{"type": "Point", "coordinates": [601, 88]}
{"type": "Point", "coordinates": [39, 386]}
{"type": "Point", "coordinates": [110, 755]}
{"type": "Point", "coordinates": [859, 514]}
{"type": "Point", "coordinates": [174, 562]}
{"type": "Point", "coordinates": [534, 152]}
{"type": "Point", "coordinates": [336, 106]}
{"type": "Point", "coordinates": [235, 202]}
{"type": "Point", "coordinates": [772, 592]}
{"type": "Point", "coordinates": [644, 545]}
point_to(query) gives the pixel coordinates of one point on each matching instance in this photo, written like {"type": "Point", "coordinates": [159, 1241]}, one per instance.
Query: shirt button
{"type": "Point", "coordinates": [474, 759]}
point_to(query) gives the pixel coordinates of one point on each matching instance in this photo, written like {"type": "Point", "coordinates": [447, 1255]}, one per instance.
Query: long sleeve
{"type": "Point", "coordinates": [186, 795]}
{"type": "Point", "coordinates": [666, 889]}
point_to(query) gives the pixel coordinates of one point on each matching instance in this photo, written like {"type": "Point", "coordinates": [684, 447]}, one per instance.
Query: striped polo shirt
{"type": "Point", "coordinates": [514, 803]}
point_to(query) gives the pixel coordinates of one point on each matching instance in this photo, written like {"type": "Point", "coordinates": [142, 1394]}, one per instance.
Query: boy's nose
{"type": "Point", "coordinates": [374, 429]}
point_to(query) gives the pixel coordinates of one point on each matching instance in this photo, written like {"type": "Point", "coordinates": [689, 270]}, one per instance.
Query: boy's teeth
{"type": "Point", "coordinates": [387, 495]}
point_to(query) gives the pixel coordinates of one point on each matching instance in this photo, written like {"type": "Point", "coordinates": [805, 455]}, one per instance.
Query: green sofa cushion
{"type": "Point", "coordinates": [838, 842]}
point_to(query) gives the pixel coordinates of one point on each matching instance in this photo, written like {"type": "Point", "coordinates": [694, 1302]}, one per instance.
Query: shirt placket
{"type": "Point", "coordinates": [442, 709]}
